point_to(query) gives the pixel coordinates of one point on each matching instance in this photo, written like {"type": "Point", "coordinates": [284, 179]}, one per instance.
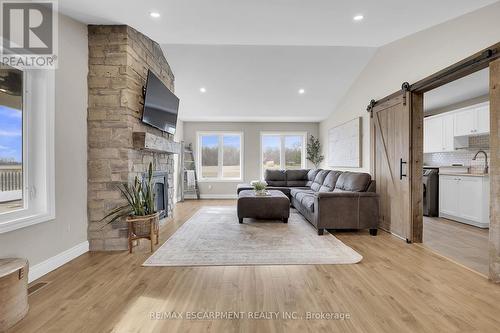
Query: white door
{"type": "Point", "coordinates": [464, 122]}
{"type": "Point", "coordinates": [469, 197]}
{"type": "Point", "coordinates": [433, 135]}
{"type": "Point", "coordinates": [448, 132]}
{"type": "Point", "coordinates": [448, 200]}
{"type": "Point", "coordinates": [483, 119]}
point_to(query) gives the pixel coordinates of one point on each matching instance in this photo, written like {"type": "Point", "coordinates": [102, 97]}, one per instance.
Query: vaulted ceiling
{"type": "Point", "coordinates": [253, 57]}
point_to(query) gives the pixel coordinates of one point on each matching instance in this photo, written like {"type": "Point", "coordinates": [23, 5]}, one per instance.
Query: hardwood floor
{"type": "Point", "coordinates": [465, 244]}
{"type": "Point", "coordinates": [396, 288]}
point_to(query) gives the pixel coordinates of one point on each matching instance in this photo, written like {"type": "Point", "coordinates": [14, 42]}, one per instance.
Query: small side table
{"type": "Point", "coordinates": [13, 291]}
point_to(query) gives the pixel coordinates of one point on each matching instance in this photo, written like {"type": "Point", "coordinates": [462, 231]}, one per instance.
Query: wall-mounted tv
{"type": "Point", "coordinates": [160, 105]}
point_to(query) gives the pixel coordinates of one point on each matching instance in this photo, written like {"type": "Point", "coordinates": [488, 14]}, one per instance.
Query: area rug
{"type": "Point", "coordinates": [213, 237]}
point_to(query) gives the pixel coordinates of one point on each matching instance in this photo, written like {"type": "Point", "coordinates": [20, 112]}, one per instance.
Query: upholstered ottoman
{"type": "Point", "coordinates": [275, 206]}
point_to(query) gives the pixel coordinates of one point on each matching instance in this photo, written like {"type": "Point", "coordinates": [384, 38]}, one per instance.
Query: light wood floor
{"type": "Point", "coordinates": [396, 288]}
{"type": "Point", "coordinates": [465, 244]}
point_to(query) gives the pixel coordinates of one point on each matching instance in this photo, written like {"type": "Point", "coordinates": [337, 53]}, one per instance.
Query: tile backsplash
{"type": "Point", "coordinates": [462, 156]}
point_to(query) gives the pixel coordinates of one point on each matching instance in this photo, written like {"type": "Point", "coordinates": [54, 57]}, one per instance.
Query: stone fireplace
{"type": "Point", "coordinates": [120, 146]}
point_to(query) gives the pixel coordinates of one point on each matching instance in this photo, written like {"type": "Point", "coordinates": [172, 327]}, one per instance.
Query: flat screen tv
{"type": "Point", "coordinates": [160, 105]}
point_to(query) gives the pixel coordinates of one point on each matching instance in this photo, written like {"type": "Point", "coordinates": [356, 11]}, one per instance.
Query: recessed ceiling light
{"type": "Point", "coordinates": [203, 90]}
{"type": "Point", "coordinates": [301, 91]}
{"type": "Point", "coordinates": [358, 18]}
{"type": "Point", "coordinates": [154, 14]}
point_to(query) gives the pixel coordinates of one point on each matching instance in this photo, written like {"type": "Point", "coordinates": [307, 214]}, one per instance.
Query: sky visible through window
{"type": "Point", "coordinates": [11, 129]}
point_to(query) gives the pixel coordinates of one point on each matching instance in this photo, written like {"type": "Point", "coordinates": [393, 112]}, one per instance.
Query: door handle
{"type": "Point", "coordinates": [401, 175]}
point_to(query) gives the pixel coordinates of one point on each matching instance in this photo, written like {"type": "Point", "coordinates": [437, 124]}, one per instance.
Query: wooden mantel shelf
{"type": "Point", "coordinates": [155, 143]}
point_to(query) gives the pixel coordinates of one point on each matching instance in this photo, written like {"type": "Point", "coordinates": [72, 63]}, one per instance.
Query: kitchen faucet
{"type": "Point", "coordinates": [485, 170]}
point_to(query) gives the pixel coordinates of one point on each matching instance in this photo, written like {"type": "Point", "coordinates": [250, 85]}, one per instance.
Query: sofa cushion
{"type": "Point", "coordinates": [295, 178]}
{"type": "Point", "coordinates": [353, 182]}
{"type": "Point", "coordinates": [285, 190]}
{"type": "Point", "coordinates": [275, 177]}
{"type": "Point", "coordinates": [300, 174]}
{"type": "Point", "coordinates": [298, 193]}
{"type": "Point", "coordinates": [296, 183]}
{"type": "Point", "coordinates": [319, 179]}
{"type": "Point", "coordinates": [308, 202]}
{"type": "Point", "coordinates": [330, 181]}
{"type": "Point", "coordinates": [311, 175]}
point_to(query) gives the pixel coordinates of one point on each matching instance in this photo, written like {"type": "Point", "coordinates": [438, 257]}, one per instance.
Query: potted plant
{"type": "Point", "coordinates": [314, 151]}
{"type": "Point", "coordinates": [139, 211]}
{"type": "Point", "coordinates": [259, 187]}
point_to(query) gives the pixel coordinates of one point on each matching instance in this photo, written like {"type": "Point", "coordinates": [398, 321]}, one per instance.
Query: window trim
{"type": "Point", "coordinates": [220, 157]}
{"type": "Point", "coordinates": [38, 153]}
{"type": "Point", "coordinates": [282, 135]}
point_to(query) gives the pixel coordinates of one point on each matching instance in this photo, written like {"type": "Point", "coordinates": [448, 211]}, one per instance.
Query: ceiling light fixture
{"type": "Point", "coordinates": [301, 91]}
{"type": "Point", "coordinates": [358, 18]}
{"type": "Point", "coordinates": [154, 14]}
{"type": "Point", "coordinates": [203, 90]}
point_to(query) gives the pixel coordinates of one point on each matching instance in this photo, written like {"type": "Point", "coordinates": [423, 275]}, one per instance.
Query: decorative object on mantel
{"type": "Point", "coordinates": [141, 217]}
{"type": "Point", "coordinates": [13, 291]}
{"type": "Point", "coordinates": [314, 151]}
{"type": "Point", "coordinates": [259, 187]}
{"type": "Point", "coordinates": [155, 143]}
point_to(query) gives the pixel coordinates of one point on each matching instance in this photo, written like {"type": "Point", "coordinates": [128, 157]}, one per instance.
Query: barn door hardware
{"type": "Point", "coordinates": [405, 87]}
{"type": "Point", "coordinates": [401, 174]}
{"type": "Point", "coordinates": [370, 106]}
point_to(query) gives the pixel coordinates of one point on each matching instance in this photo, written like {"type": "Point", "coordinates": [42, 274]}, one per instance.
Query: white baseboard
{"type": "Point", "coordinates": [218, 196]}
{"type": "Point", "coordinates": [39, 270]}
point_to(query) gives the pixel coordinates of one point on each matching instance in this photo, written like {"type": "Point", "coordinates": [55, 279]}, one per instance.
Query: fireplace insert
{"type": "Point", "coordinates": [160, 188]}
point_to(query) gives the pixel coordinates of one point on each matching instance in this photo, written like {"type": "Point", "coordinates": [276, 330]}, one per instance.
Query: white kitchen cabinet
{"type": "Point", "coordinates": [448, 135]}
{"type": "Point", "coordinates": [472, 120]}
{"type": "Point", "coordinates": [448, 189]}
{"type": "Point", "coordinates": [464, 122]}
{"type": "Point", "coordinates": [439, 133]}
{"type": "Point", "coordinates": [465, 199]}
{"type": "Point", "coordinates": [433, 132]}
{"type": "Point", "coordinates": [483, 119]}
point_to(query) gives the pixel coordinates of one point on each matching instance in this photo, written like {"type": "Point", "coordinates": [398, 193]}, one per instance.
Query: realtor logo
{"type": "Point", "coordinates": [29, 34]}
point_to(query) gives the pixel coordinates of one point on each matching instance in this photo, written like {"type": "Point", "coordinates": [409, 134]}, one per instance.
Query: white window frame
{"type": "Point", "coordinates": [221, 135]}
{"type": "Point", "coordinates": [282, 135]}
{"type": "Point", "coordinates": [38, 153]}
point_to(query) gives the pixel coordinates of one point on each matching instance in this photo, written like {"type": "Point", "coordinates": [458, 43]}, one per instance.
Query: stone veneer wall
{"type": "Point", "coordinates": [119, 59]}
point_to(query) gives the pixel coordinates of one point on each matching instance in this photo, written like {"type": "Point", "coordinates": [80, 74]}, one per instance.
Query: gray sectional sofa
{"type": "Point", "coordinates": [328, 199]}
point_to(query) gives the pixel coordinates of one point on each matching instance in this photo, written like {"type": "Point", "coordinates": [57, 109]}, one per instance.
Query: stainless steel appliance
{"type": "Point", "coordinates": [431, 191]}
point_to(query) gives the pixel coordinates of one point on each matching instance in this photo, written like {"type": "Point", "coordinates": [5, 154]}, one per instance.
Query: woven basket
{"type": "Point", "coordinates": [140, 226]}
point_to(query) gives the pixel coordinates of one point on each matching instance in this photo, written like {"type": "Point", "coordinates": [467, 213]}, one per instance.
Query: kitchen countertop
{"type": "Point", "coordinates": [464, 174]}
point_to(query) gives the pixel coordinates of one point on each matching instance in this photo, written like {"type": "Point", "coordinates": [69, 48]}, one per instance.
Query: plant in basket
{"type": "Point", "coordinates": [139, 210]}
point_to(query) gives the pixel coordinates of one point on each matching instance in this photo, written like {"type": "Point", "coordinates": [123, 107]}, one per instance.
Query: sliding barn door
{"type": "Point", "coordinates": [390, 153]}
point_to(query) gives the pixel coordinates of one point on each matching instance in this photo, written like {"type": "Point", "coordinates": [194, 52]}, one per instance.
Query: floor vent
{"type": "Point", "coordinates": [37, 286]}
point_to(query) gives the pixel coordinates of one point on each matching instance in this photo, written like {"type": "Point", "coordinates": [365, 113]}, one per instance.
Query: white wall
{"type": "Point", "coordinates": [411, 59]}
{"type": "Point", "coordinates": [45, 240]}
{"type": "Point", "coordinates": [251, 150]}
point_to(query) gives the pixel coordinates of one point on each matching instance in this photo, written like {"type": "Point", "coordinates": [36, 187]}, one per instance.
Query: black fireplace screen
{"type": "Point", "coordinates": [160, 187]}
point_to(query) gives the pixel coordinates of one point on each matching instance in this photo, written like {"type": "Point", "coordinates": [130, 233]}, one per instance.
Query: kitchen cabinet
{"type": "Point", "coordinates": [439, 133]}
{"type": "Point", "coordinates": [465, 198]}
{"type": "Point", "coordinates": [472, 120]}
{"type": "Point", "coordinates": [483, 119]}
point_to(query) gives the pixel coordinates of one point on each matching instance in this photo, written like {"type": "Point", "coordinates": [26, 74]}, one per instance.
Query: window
{"type": "Point", "coordinates": [26, 147]}
{"type": "Point", "coordinates": [220, 156]}
{"type": "Point", "coordinates": [11, 139]}
{"type": "Point", "coordinates": [283, 151]}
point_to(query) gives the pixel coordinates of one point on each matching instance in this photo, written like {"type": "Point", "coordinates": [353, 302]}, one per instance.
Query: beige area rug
{"type": "Point", "coordinates": [213, 237]}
